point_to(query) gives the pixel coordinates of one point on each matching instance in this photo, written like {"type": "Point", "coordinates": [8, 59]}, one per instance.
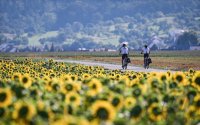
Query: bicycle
{"type": "Point", "coordinates": [146, 62]}
{"type": "Point", "coordinates": [125, 62]}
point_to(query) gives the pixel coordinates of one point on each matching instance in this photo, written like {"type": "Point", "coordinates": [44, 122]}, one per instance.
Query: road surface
{"type": "Point", "coordinates": [113, 66]}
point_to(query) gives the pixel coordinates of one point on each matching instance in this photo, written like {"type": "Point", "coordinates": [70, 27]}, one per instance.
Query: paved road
{"type": "Point", "coordinates": [112, 66]}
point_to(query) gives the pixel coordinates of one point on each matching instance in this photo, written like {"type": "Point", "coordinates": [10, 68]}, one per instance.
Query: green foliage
{"type": "Point", "coordinates": [186, 40]}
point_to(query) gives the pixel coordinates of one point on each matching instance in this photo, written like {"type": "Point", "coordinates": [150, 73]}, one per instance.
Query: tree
{"type": "Point", "coordinates": [52, 49]}
{"type": "Point", "coordinates": [186, 40]}
{"type": "Point", "coordinates": [192, 37]}
{"type": "Point", "coordinates": [182, 42]}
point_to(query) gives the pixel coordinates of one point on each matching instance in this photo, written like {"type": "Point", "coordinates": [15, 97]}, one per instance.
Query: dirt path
{"type": "Point", "coordinates": [112, 66]}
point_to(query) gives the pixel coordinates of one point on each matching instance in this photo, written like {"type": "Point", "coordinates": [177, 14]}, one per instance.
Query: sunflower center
{"type": "Point", "coordinates": [94, 86]}
{"type": "Point", "coordinates": [102, 113]}
{"type": "Point", "coordinates": [198, 103]}
{"type": "Point", "coordinates": [2, 112]}
{"type": "Point", "coordinates": [129, 102]}
{"type": "Point", "coordinates": [16, 77]}
{"type": "Point", "coordinates": [56, 86]}
{"type": "Point", "coordinates": [43, 114]}
{"type": "Point", "coordinates": [72, 98]}
{"type": "Point", "coordinates": [154, 84]}
{"type": "Point", "coordinates": [173, 85]}
{"type": "Point", "coordinates": [23, 111]}
{"type": "Point", "coordinates": [66, 79]}
{"type": "Point", "coordinates": [134, 76]}
{"type": "Point", "coordinates": [25, 80]}
{"type": "Point", "coordinates": [3, 97]}
{"type": "Point", "coordinates": [179, 78]}
{"type": "Point", "coordinates": [137, 92]}
{"type": "Point", "coordinates": [192, 114]}
{"type": "Point", "coordinates": [156, 111]}
{"type": "Point", "coordinates": [69, 87]}
{"type": "Point", "coordinates": [73, 78]}
{"type": "Point", "coordinates": [135, 111]}
{"type": "Point", "coordinates": [163, 78]}
{"type": "Point", "coordinates": [115, 101]}
{"type": "Point", "coordinates": [197, 81]}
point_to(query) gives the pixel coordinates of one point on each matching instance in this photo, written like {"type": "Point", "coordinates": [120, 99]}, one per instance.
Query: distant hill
{"type": "Point", "coordinates": [95, 23]}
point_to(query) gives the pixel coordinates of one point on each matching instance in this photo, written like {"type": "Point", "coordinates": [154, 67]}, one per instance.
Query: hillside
{"type": "Point", "coordinates": [74, 24]}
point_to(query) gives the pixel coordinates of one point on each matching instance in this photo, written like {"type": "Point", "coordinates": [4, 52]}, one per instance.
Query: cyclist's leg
{"type": "Point", "coordinates": [123, 57]}
{"type": "Point", "coordinates": [144, 62]}
{"type": "Point", "coordinates": [125, 60]}
{"type": "Point", "coordinates": [147, 61]}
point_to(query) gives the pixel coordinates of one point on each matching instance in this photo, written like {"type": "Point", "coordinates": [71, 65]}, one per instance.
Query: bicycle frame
{"type": "Point", "coordinates": [146, 64]}
{"type": "Point", "coordinates": [124, 63]}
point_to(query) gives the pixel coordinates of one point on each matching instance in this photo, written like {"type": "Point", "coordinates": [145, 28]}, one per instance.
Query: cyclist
{"type": "Point", "coordinates": [146, 52]}
{"type": "Point", "coordinates": [124, 52]}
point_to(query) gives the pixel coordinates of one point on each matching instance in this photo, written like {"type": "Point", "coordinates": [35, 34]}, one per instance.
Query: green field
{"type": "Point", "coordinates": [34, 40]}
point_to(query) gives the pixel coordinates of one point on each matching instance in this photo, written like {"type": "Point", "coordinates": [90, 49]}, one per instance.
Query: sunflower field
{"type": "Point", "coordinates": [52, 93]}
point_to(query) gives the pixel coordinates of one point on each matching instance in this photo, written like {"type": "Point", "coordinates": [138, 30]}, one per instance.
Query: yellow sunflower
{"type": "Point", "coordinates": [116, 101]}
{"type": "Point", "coordinates": [74, 77]}
{"type": "Point", "coordinates": [156, 112]}
{"type": "Point", "coordinates": [192, 113]}
{"type": "Point", "coordinates": [70, 87]}
{"type": "Point", "coordinates": [103, 110]}
{"type": "Point", "coordinates": [133, 83]}
{"type": "Point", "coordinates": [154, 82]}
{"type": "Point", "coordinates": [197, 102]}
{"type": "Point", "coordinates": [16, 77]}
{"type": "Point", "coordinates": [191, 71]}
{"type": "Point", "coordinates": [124, 80]}
{"type": "Point", "coordinates": [163, 77]}
{"type": "Point", "coordinates": [86, 76]}
{"type": "Point", "coordinates": [5, 97]}
{"type": "Point", "coordinates": [66, 78]}
{"type": "Point", "coordinates": [26, 80]}
{"type": "Point", "coordinates": [46, 79]}
{"type": "Point", "coordinates": [129, 102]}
{"type": "Point", "coordinates": [183, 102]}
{"type": "Point", "coordinates": [22, 110]}
{"type": "Point", "coordinates": [95, 87]}
{"type": "Point", "coordinates": [196, 81]}
{"type": "Point", "coordinates": [56, 84]}
{"type": "Point", "coordinates": [136, 112]}
{"type": "Point", "coordinates": [180, 78]}
{"type": "Point", "coordinates": [73, 98]}
{"type": "Point", "coordinates": [117, 76]}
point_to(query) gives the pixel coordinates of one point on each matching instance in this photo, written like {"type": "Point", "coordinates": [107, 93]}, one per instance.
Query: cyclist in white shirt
{"type": "Point", "coordinates": [145, 51]}
{"type": "Point", "coordinates": [124, 52]}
